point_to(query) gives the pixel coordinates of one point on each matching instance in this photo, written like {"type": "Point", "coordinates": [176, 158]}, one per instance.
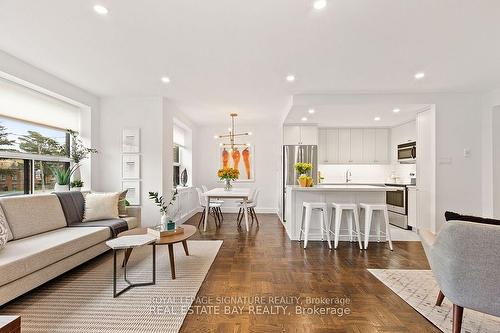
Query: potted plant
{"type": "Point", "coordinates": [303, 169]}
{"type": "Point", "coordinates": [63, 177]}
{"type": "Point", "coordinates": [227, 175]}
{"type": "Point", "coordinates": [78, 152]}
{"type": "Point", "coordinates": [76, 185]}
{"type": "Point", "coordinates": [164, 208]}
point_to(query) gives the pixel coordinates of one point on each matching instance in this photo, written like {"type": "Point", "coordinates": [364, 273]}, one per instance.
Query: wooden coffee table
{"type": "Point", "coordinates": [189, 231]}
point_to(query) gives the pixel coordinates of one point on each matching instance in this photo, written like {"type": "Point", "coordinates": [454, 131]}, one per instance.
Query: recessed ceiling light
{"type": "Point", "coordinates": [419, 75]}
{"type": "Point", "coordinates": [319, 4]}
{"type": "Point", "coordinates": [396, 110]}
{"type": "Point", "coordinates": [165, 79]}
{"type": "Point", "coordinates": [304, 119]}
{"type": "Point", "coordinates": [376, 118]}
{"type": "Point", "coordinates": [311, 111]}
{"type": "Point", "coordinates": [101, 10]}
{"type": "Point", "coordinates": [290, 77]}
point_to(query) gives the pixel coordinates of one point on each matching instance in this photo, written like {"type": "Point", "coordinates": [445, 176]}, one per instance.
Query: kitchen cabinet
{"type": "Point", "coordinates": [382, 145]}
{"type": "Point", "coordinates": [328, 145]}
{"type": "Point", "coordinates": [412, 206]}
{"type": "Point", "coordinates": [353, 146]}
{"type": "Point", "coordinates": [300, 135]}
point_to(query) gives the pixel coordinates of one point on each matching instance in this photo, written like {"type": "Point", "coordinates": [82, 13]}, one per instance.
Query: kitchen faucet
{"type": "Point", "coordinates": [348, 176]}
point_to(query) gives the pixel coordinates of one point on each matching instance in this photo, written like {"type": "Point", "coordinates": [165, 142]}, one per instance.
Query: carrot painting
{"type": "Point", "coordinates": [225, 158]}
{"type": "Point", "coordinates": [236, 158]}
{"type": "Point", "coordinates": [246, 161]}
{"type": "Point", "coordinates": [232, 158]}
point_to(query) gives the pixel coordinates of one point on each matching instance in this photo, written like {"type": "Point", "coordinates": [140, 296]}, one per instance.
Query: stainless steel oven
{"type": "Point", "coordinates": [407, 152]}
{"type": "Point", "coordinates": [397, 205]}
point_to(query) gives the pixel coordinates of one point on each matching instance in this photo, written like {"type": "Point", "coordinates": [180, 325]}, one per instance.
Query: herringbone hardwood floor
{"type": "Point", "coordinates": [264, 263]}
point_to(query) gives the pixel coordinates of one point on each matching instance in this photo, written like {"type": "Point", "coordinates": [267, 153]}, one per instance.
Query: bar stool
{"type": "Point", "coordinates": [369, 210]}
{"type": "Point", "coordinates": [307, 209]}
{"type": "Point", "coordinates": [337, 209]}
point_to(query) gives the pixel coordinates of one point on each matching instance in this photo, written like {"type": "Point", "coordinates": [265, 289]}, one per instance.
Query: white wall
{"type": "Point", "coordinates": [458, 126]}
{"type": "Point", "coordinates": [19, 71]}
{"type": "Point", "coordinates": [266, 141]}
{"type": "Point", "coordinates": [496, 161]}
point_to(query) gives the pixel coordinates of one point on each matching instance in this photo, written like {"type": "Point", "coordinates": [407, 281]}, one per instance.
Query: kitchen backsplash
{"type": "Point", "coordinates": [361, 173]}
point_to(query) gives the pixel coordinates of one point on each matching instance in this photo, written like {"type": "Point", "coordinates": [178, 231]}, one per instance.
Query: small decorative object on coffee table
{"type": "Point", "coordinates": [127, 243]}
{"type": "Point", "coordinates": [189, 231]}
{"type": "Point", "coordinates": [164, 208]}
{"type": "Point", "coordinates": [162, 231]}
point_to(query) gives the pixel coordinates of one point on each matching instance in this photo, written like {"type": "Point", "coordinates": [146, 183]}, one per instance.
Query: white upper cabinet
{"type": "Point", "coordinates": [369, 145]}
{"type": "Point", "coordinates": [353, 146]}
{"type": "Point", "coordinates": [344, 145]}
{"type": "Point", "coordinates": [382, 145]}
{"type": "Point", "coordinates": [300, 135]}
{"type": "Point", "coordinates": [356, 146]}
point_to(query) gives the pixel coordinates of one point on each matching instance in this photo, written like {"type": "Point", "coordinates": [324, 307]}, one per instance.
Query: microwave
{"type": "Point", "coordinates": [407, 152]}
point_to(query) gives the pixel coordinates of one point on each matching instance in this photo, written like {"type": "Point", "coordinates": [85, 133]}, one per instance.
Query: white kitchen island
{"type": "Point", "coordinates": [296, 196]}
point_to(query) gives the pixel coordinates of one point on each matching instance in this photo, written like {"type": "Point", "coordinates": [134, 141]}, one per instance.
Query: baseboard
{"type": "Point", "coordinates": [258, 210]}
{"type": "Point", "coordinates": [187, 216]}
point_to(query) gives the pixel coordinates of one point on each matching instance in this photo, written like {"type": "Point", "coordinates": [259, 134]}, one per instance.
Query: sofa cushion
{"type": "Point", "coordinates": [25, 256]}
{"type": "Point", "coordinates": [101, 206]}
{"type": "Point", "coordinates": [132, 222]}
{"type": "Point", "coordinates": [30, 215]}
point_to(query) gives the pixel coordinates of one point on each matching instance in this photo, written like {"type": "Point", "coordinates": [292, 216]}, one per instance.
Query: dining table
{"type": "Point", "coordinates": [242, 194]}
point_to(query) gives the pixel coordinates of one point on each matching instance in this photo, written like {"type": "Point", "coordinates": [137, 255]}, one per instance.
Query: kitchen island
{"type": "Point", "coordinates": [345, 193]}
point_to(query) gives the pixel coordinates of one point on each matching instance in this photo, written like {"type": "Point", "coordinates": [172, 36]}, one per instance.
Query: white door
{"type": "Point", "coordinates": [356, 145]}
{"type": "Point", "coordinates": [368, 145]}
{"type": "Point", "coordinates": [333, 145]}
{"type": "Point", "coordinates": [382, 145]}
{"type": "Point", "coordinates": [426, 170]}
{"type": "Point", "coordinates": [323, 146]}
{"type": "Point", "coordinates": [291, 135]}
{"type": "Point", "coordinates": [344, 145]}
{"type": "Point", "coordinates": [308, 135]}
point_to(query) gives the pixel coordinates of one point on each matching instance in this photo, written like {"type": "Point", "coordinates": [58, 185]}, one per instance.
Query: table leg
{"type": "Point", "coordinates": [207, 211]}
{"type": "Point", "coordinates": [185, 244]}
{"type": "Point", "coordinates": [245, 211]}
{"type": "Point", "coordinates": [171, 256]}
{"type": "Point", "coordinates": [114, 273]}
{"type": "Point", "coordinates": [126, 256]}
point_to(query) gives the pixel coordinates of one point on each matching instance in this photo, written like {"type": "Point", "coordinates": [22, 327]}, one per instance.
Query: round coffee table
{"type": "Point", "coordinates": [189, 231]}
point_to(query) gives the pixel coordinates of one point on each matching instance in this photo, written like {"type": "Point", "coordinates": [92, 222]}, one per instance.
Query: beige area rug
{"type": "Point", "coordinates": [82, 300]}
{"type": "Point", "coordinates": [419, 289]}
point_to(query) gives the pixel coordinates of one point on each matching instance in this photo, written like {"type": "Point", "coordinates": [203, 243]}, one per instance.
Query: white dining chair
{"type": "Point", "coordinates": [251, 204]}
{"type": "Point", "coordinates": [221, 202]}
{"type": "Point", "coordinates": [213, 207]}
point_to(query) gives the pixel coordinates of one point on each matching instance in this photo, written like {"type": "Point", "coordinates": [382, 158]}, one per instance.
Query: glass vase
{"type": "Point", "coordinates": [228, 186]}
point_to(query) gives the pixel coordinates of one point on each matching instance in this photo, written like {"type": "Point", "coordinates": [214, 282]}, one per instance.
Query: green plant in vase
{"type": "Point", "coordinates": [160, 201]}
{"type": "Point", "coordinates": [303, 169]}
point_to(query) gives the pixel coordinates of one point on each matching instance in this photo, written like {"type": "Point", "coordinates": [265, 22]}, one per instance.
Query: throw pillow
{"type": "Point", "coordinates": [5, 233]}
{"type": "Point", "coordinates": [451, 216]}
{"type": "Point", "coordinates": [101, 206]}
{"type": "Point", "coordinates": [122, 207]}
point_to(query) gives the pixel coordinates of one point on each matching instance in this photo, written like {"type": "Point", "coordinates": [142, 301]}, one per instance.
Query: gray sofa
{"type": "Point", "coordinates": [42, 246]}
{"type": "Point", "coordinates": [465, 262]}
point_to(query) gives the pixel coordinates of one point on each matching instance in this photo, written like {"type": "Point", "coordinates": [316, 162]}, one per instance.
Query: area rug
{"type": "Point", "coordinates": [82, 300]}
{"type": "Point", "coordinates": [419, 289]}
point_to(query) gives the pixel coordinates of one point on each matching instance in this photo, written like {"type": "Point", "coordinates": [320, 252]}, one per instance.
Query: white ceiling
{"type": "Point", "coordinates": [356, 115]}
{"type": "Point", "coordinates": [224, 55]}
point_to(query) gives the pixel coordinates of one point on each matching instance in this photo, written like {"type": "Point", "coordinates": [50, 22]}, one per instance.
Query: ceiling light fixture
{"type": "Point", "coordinates": [419, 75]}
{"type": "Point", "coordinates": [311, 111]}
{"type": "Point", "coordinates": [101, 10]}
{"type": "Point", "coordinates": [396, 110]}
{"type": "Point", "coordinates": [376, 118]}
{"type": "Point", "coordinates": [232, 134]}
{"type": "Point", "coordinates": [290, 77]}
{"type": "Point", "coordinates": [165, 79]}
{"type": "Point", "coordinates": [304, 119]}
{"type": "Point", "coordinates": [319, 4]}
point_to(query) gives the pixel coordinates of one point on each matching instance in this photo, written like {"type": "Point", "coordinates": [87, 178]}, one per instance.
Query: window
{"type": "Point", "coordinates": [28, 152]}
{"type": "Point", "coordinates": [177, 165]}
{"type": "Point", "coordinates": [182, 157]}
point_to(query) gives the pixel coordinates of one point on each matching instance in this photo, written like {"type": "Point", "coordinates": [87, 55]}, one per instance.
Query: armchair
{"type": "Point", "coordinates": [465, 262]}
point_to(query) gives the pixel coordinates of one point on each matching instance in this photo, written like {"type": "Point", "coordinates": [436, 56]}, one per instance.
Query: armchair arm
{"type": "Point", "coordinates": [135, 211]}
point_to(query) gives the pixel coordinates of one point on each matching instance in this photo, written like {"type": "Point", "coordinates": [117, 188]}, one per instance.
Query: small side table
{"type": "Point", "coordinates": [130, 242]}
{"type": "Point", "coordinates": [10, 324]}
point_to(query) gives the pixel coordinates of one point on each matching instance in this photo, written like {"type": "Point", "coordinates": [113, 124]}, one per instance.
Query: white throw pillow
{"type": "Point", "coordinates": [101, 206]}
{"type": "Point", "coordinates": [5, 233]}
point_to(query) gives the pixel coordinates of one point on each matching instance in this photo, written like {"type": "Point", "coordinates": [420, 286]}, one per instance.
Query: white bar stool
{"type": "Point", "coordinates": [337, 210]}
{"type": "Point", "coordinates": [307, 209]}
{"type": "Point", "coordinates": [369, 210]}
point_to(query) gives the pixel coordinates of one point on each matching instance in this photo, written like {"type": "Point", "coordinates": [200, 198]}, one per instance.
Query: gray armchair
{"type": "Point", "coordinates": [465, 260]}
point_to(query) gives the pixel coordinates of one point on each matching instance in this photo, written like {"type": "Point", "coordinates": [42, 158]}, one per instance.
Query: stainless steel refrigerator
{"type": "Point", "coordinates": [292, 155]}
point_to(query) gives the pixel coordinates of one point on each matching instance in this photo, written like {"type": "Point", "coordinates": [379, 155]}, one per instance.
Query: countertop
{"type": "Point", "coordinates": [344, 188]}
